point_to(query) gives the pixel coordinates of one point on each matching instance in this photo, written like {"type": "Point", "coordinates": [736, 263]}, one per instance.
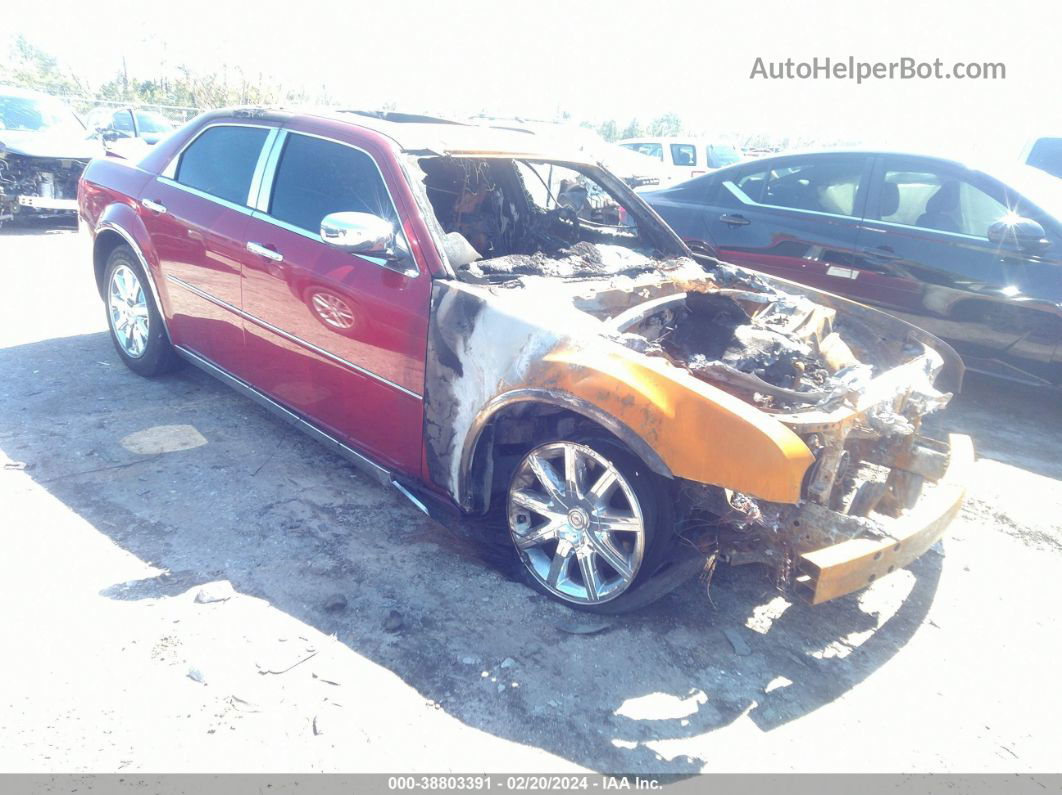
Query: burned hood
{"type": "Point", "coordinates": [760, 364]}
{"type": "Point", "coordinates": [581, 261]}
{"type": "Point", "coordinates": [57, 144]}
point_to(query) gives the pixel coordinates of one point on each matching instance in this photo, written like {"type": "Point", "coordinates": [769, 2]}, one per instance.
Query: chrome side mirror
{"type": "Point", "coordinates": [360, 233]}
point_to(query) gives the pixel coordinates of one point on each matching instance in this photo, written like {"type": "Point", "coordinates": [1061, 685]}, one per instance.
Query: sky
{"type": "Point", "coordinates": [601, 60]}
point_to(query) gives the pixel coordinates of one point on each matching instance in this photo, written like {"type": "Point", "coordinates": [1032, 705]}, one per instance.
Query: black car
{"type": "Point", "coordinates": [115, 123]}
{"type": "Point", "coordinates": [972, 255]}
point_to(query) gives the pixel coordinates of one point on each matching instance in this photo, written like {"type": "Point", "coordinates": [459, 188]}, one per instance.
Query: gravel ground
{"type": "Point", "coordinates": [360, 636]}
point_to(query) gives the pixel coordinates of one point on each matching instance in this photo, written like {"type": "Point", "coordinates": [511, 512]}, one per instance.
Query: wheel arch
{"type": "Point", "coordinates": [111, 232]}
{"type": "Point", "coordinates": [478, 453]}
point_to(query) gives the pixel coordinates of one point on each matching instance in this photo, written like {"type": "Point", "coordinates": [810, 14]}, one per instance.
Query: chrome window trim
{"type": "Point", "coordinates": [265, 188]}
{"type": "Point", "coordinates": [895, 225]}
{"type": "Point", "coordinates": [291, 337]}
{"type": "Point", "coordinates": [143, 264]}
{"type": "Point", "coordinates": [269, 180]}
{"type": "Point", "coordinates": [259, 167]}
{"type": "Point", "coordinates": [204, 195]}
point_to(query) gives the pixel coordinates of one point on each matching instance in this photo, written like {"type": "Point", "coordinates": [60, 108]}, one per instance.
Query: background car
{"type": "Point", "coordinates": [44, 147]}
{"type": "Point", "coordinates": [972, 255]}
{"type": "Point", "coordinates": [1045, 154]}
{"type": "Point", "coordinates": [115, 123]}
{"type": "Point", "coordinates": [685, 157]}
{"type": "Point", "coordinates": [639, 171]}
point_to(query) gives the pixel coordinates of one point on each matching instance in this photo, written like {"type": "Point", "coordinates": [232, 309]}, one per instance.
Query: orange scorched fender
{"type": "Point", "coordinates": [700, 432]}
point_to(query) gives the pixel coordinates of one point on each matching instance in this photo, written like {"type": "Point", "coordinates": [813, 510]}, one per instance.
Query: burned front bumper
{"type": "Point", "coordinates": [47, 203]}
{"type": "Point", "coordinates": [849, 565]}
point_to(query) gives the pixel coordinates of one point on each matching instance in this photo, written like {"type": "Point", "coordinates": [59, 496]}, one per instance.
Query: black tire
{"type": "Point", "coordinates": [158, 356]}
{"type": "Point", "coordinates": [652, 492]}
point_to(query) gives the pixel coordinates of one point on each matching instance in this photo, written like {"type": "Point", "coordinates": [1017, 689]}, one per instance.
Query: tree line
{"type": "Point", "coordinates": [182, 93]}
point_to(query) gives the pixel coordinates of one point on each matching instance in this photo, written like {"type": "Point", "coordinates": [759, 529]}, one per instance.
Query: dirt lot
{"type": "Point", "coordinates": [437, 660]}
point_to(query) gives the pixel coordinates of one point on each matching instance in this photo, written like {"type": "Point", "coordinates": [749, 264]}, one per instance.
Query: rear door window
{"type": "Point", "coordinates": [684, 154]}
{"type": "Point", "coordinates": [221, 161]}
{"type": "Point", "coordinates": [646, 148]}
{"type": "Point", "coordinates": [824, 185]}
{"type": "Point", "coordinates": [719, 156]}
{"type": "Point", "coordinates": [317, 177]}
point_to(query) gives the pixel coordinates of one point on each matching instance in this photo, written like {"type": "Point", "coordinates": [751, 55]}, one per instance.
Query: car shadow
{"type": "Point", "coordinates": [1027, 435]}
{"type": "Point", "coordinates": [282, 519]}
{"type": "Point", "coordinates": [43, 225]}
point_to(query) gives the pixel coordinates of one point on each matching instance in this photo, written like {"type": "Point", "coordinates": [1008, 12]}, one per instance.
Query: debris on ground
{"type": "Point", "coordinates": [215, 592]}
{"type": "Point", "coordinates": [393, 622]}
{"type": "Point", "coordinates": [263, 670]}
{"type": "Point", "coordinates": [196, 675]}
{"type": "Point", "coordinates": [741, 648]}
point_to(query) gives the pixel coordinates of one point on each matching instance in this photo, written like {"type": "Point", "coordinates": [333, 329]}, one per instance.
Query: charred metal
{"type": "Point", "coordinates": [37, 184]}
{"type": "Point", "coordinates": [557, 290]}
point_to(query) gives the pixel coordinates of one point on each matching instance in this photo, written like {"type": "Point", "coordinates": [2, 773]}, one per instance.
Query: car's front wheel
{"type": "Point", "coordinates": [589, 522]}
{"type": "Point", "coordinates": [134, 320]}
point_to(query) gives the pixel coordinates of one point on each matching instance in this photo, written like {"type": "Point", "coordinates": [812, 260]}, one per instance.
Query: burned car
{"type": "Point", "coordinates": [43, 149]}
{"type": "Point", "coordinates": [512, 334]}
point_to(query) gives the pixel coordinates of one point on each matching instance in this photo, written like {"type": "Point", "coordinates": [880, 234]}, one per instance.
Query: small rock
{"type": "Point", "coordinates": [215, 592]}
{"type": "Point", "coordinates": [393, 622]}
{"type": "Point", "coordinates": [508, 662]}
{"type": "Point", "coordinates": [501, 688]}
{"type": "Point", "coordinates": [741, 648]}
{"type": "Point", "coordinates": [468, 660]}
{"type": "Point", "coordinates": [196, 675]}
{"type": "Point", "coordinates": [335, 603]}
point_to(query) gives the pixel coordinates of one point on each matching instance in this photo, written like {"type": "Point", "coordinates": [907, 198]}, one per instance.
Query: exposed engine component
{"type": "Point", "coordinates": [37, 184]}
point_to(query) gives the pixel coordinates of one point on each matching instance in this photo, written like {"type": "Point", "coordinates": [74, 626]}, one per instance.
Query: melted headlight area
{"type": "Point", "coordinates": [855, 397]}
{"type": "Point", "coordinates": [860, 487]}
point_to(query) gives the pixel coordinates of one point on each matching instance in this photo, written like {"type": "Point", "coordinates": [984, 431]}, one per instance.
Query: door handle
{"type": "Point", "coordinates": [155, 207]}
{"type": "Point", "coordinates": [734, 220]}
{"type": "Point", "coordinates": [262, 251]}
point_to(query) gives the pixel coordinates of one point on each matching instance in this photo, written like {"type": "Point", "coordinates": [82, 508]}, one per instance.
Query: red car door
{"type": "Point", "coordinates": [338, 337]}
{"type": "Point", "coordinates": [196, 212]}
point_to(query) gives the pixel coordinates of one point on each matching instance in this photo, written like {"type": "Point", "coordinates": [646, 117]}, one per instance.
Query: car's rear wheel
{"type": "Point", "coordinates": [588, 521]}
{"type": "Point", "coordinates": [134, 321]}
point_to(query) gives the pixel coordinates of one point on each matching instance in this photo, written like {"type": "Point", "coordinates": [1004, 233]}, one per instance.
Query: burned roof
{"type": "Point", "coordinates": [416, 133]}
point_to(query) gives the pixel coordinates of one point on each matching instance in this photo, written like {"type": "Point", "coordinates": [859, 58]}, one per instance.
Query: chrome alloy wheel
{"type": "Point", "coordinates": [576, 522]}
{"type": "Point", "coordinates": [127, 304]}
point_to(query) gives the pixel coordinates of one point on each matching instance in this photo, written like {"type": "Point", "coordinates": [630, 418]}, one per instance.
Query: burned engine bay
{"type": "Point", "coordinates": [571, 269]}
{"type": "Point", "coordinates": [37, 183]}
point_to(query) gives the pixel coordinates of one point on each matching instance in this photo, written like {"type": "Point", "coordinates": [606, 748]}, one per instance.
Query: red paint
{"type": "Point", "coordinates": [262, 320]}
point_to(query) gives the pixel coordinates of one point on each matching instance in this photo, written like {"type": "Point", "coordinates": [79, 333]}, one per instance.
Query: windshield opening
{"type": "Point", "coordinates": [31, 114]}
{"type": "Point", "coordinates": [504, 217]}
{"type": "Point", "coordinates": [720, 155]}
